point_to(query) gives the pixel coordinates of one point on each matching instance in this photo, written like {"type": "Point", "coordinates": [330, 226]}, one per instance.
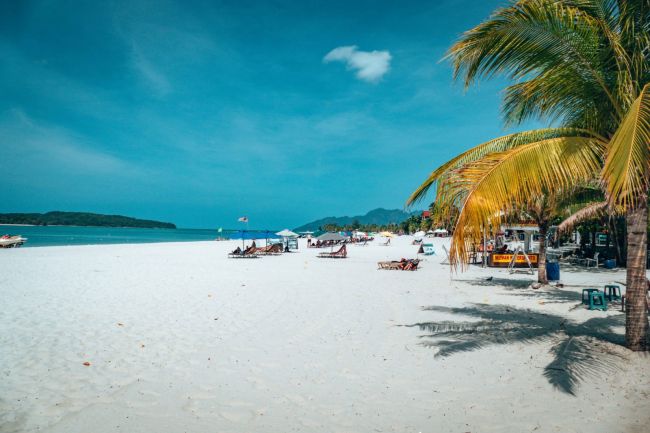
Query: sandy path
{"type": "Point", "coordinates": [182, 339]}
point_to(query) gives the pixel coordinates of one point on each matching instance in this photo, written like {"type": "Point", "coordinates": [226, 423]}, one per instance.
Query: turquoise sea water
{"type": "Point", "coordinates": [38, 236]}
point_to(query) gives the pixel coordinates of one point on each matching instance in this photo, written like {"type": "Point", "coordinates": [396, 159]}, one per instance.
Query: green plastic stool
{"type": "Point", "coordinates": [586, 294]}
{"type": "Point", "coordinates": [597, 301]}
{"type": "Point", "coordinates": [612, 292]}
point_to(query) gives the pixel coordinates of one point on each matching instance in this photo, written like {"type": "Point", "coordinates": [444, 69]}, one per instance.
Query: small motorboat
{"type": "Point", "coordinates": [11, 241]}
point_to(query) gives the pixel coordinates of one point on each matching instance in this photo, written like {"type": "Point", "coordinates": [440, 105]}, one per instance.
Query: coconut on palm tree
{"type": "Point", "coordinates": [582, 64]}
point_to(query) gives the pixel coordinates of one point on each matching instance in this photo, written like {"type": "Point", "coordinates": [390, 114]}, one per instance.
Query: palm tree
{"type": "Point", "coordinates": [583, 64]}
{"type": "Point", "coordinates": [551, 206]}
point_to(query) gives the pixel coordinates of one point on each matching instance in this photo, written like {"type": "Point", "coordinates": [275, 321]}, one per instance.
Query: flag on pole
{"type": "Point", "coordinates": [219, 230]}
{"type": "Point", "coordinates": [243, 219]}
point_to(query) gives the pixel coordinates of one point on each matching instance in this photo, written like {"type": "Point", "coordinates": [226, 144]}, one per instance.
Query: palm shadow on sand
{"type": "Point", "coordinates": [521, 288]}
{"type": "Point", "coordinates": [579, 350]}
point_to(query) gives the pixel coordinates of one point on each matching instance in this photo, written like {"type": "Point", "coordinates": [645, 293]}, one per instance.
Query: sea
{"type": "Point", "coordinates": [42, 236]}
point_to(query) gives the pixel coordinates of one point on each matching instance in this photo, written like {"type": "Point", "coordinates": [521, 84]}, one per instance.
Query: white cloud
{"type": "Point", "coordinates": [370, 65]}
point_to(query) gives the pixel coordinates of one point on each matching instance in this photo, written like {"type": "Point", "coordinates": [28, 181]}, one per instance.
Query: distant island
{"type": "Point", "coordinates": [58, 218]}
{"type": "Point", "coordinates": [378, 217]}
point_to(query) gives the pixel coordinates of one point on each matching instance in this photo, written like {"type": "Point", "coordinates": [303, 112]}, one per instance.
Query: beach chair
{"type": "Point", "coordinates": [402, 265]}
{"type": "Point", "coordinates": [411, 265]}
{"type": "Point", "coordinates": [391, 265]}
{"type": "Point", "coordinates": [386, 244]}
{"type": "Point", "coordinates": [242, 255]}
{"type": "Point", "coordinates": [270, 250]}
{"type": "Point", "coordinates": [341, 253]}
{"type": "Point", "coordinates": [588, 262]}
{"type": "Point", "coordinates": [248, 253]}
{"type": "Point", "coordinates": [236, 252]}
{"type": "Point", "coordinates": [445, 261]}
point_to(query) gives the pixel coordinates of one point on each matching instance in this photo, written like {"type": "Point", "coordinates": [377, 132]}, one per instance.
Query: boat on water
{"type": "Point", "coordinates": [11, 241]}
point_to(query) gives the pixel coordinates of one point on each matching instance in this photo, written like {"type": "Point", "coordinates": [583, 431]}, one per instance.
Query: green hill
{"type": "Point", "coordinates": [377, 216]}
{"type": "Point", "coordinates": [80, 219]}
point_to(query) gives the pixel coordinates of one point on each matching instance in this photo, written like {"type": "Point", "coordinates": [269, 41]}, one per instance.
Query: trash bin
{"type": "Point", "coordinates": [610, 264]}
{"type": "Point", "coordinates": [553, 271]}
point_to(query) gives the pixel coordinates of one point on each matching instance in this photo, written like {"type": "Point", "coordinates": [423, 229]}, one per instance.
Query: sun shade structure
{"type": "Point", "coordinates": [387, 234]}
{"type": "Point", "coordinates": [286, 233]}
{"type": "Point", "coordinates": [331, 237]}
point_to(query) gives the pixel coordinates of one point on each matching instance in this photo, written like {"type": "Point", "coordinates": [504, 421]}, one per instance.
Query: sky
{"type": "Point", "coordinates": [200, 112]}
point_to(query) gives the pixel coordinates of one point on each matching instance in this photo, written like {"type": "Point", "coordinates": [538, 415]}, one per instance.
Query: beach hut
{"type": "Point", "coordinates": [440, 233]}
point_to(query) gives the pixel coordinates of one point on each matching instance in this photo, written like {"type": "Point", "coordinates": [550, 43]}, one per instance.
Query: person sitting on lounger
{"type": "Point", "coordinates": [251, 249]}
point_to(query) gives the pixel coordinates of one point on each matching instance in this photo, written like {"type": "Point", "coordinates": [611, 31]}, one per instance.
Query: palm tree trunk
{"type": "Point", "coordinates": [541, 262]}
{"type": "Point", "coordinates": [636, 318]}
{"type": "Point", "coordinates": [617, 248]}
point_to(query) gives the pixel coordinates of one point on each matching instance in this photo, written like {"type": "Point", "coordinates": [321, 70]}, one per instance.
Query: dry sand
{"type": "Point", "coordinates": [181, 339]}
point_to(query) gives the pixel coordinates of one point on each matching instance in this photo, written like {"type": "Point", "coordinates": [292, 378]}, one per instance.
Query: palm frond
{"type": "Point", "coordinates": [626, 172]}
{"type": "Point", "coordinates": [593, 210]}
{"type": "Point", "coordinates": [576, 359]}
{"type": "Point", "coordinates": [541, 37]}
{"type": "Point", "coordinates": [500, 182]}
{"type": "Point", "coordinates": [499, 144]}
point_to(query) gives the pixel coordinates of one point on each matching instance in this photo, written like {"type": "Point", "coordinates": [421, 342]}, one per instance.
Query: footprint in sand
{"type": "Point", "coordinates": [237, 415]}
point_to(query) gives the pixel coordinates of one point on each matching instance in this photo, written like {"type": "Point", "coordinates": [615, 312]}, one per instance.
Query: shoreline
{"type": "Point", "coordinates": [111, 227]}
{"type": "Point", "coordinates": [110, 244]}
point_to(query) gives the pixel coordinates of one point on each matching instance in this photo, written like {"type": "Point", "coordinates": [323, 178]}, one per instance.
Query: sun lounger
{"type": "Point", "coordinates": [243, 255]}
{"type": "Point", "coordinates": [402, 265]}
{"type": "Point", "coordinates": [269, 250]}
{"type": "Point", "coordinates": [341, 253]}
{"type": "Point", "coordinates": [394, 265]}
{"type": "Point", "coordinates": [248, 253]}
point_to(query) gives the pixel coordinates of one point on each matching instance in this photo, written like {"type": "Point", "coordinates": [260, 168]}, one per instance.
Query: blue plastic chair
{"type": "Point", "coordinates": [612, 292]}
{"type": "Point", "coordinates": [597, 301]}
{"type": "Point", "coordinates": [586, 293]}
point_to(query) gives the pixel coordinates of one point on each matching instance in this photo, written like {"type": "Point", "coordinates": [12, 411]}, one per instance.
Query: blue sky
{"type": "Point", "coordinates": [198, 112]}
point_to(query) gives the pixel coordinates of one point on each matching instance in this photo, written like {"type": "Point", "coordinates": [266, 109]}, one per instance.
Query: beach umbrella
{"type": "Point", "coordinates": [419, 234]}
{"type": "Point", "coordinates": [329, 236]}
{"type": "Point", "coordinates": [387, 234]}
{"type": "Point", "coordinates": [240, 235]}
{"type": "Point", "coordinates": [360, 234]}
{"type": "Point", "coordinates": [286, 233]}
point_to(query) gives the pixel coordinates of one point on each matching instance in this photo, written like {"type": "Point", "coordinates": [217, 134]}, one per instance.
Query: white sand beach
{"type": "Point", "coordinates": [179, 338]}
